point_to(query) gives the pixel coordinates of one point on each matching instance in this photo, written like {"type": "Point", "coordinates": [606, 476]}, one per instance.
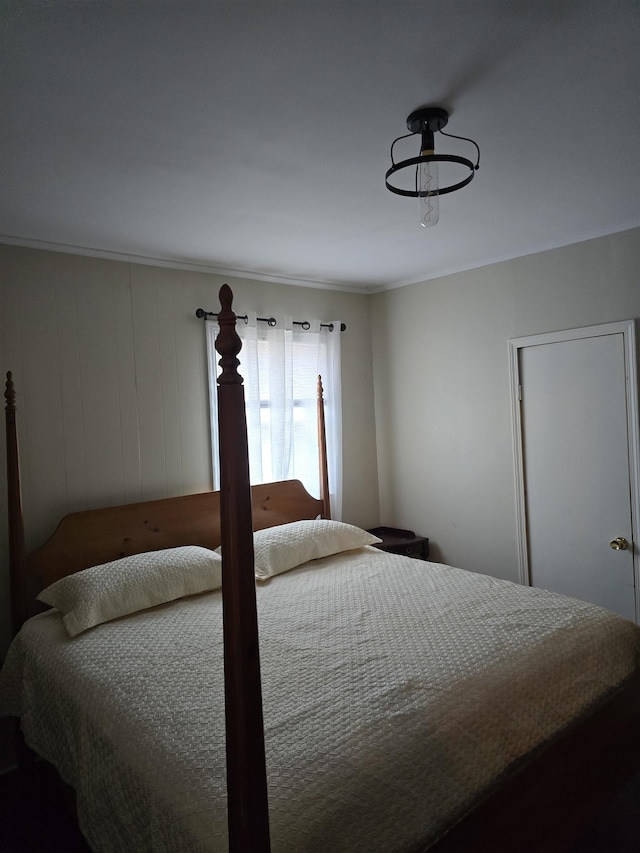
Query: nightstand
{"type": "Point", "coordinates": [404, 542]}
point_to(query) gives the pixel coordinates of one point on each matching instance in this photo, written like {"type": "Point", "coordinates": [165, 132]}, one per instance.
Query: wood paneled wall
{"type": "Point", "coordinates": [110, 372]}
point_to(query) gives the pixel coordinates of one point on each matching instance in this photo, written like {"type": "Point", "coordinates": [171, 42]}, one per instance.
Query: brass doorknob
{"type": "Point", "coordinates": [619, 544]}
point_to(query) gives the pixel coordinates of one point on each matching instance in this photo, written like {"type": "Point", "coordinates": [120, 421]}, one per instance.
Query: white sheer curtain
{"type": "Point", "coordinates": [280, 365]}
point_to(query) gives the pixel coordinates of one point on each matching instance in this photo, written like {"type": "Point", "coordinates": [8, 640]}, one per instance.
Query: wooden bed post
{"type": "Point", "coordinates": [247, 803]}
{"type": "Point", "coordinates": [17, 579]}
{"type": "Point", "coordinates": [322, 454]}
{"type": "Point", "coordinates": [19, 606]}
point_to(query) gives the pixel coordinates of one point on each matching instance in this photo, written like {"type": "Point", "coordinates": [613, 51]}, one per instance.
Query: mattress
{"type": "Point", "coordinates": [396, 692]}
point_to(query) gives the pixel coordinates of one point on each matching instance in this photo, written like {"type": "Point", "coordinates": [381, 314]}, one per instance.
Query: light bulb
{"type": "Point", "coordinates": [428, 182]}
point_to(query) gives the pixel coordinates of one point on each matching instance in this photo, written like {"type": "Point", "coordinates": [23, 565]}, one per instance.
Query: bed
{"type": "Point", "coordinates": [392, 704]}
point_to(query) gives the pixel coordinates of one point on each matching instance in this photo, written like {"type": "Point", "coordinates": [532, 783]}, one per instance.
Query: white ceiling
{"type": "Point", "coordinates": [253, 137]}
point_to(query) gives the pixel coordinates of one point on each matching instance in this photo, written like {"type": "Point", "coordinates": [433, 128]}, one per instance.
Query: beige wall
{"type": "Point", "coordinates": [110, 368]}
{"type": "Point", "coordinates": [443, 423]}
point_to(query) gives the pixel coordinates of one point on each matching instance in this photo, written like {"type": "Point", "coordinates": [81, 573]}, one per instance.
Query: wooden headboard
{"type": "Point", "coordinates": [84, 539]}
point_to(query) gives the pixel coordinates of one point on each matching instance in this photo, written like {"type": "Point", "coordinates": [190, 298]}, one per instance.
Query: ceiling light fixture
{"type": "Point", "coordinates": [426, 122]}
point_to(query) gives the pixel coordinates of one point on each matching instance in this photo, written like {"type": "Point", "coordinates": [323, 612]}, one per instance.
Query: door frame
{"type": "Point", "coordinates": [628, 330]}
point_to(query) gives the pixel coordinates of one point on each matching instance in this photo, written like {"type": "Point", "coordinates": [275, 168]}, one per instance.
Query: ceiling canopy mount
{"type": "Point", "coordinates": [427, 118]}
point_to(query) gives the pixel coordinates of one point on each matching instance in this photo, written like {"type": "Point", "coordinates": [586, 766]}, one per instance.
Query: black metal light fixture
{"type": "Point", "coordinates": [425, 122]}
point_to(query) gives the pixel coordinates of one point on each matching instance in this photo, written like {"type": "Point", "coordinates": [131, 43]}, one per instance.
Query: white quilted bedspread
{"type": "Point", "coordinates": [395, 691]}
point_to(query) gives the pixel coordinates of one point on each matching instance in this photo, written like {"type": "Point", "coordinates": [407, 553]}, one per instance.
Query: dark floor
{"type": "Point", "coordinates": [616, 827]}
{"type": "Point", "coordinates": [34, 818]}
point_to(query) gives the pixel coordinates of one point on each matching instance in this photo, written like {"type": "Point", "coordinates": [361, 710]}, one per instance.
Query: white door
{"type": "Point", "coordinates": [578, 464]}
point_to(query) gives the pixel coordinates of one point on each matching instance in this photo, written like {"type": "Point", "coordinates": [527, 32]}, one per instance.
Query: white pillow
{"type": "Point", "coordinates": [105, 592]}
{"type": "Point", "coordinates": [278, 549]}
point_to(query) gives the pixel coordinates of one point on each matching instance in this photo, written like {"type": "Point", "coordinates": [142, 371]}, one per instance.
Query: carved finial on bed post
{"type": "Point", "coordinates": [16, 521]}
{"type": "Point", "coordinates": [247, 805]}
{"type": "Point", "coordinates": [228, 343]}
{"type": "Point", "coordinates": [322, 454]}
{"type": "Point", "coordinates": [10, 392]}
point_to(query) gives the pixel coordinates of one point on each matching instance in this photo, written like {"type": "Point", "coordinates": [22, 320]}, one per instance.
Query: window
{"type": "Point", "coordinates": [280, 366]}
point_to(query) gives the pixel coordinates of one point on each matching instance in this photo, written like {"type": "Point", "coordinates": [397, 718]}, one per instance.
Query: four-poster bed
{"type": "Point", "coordinates": [406, 706]}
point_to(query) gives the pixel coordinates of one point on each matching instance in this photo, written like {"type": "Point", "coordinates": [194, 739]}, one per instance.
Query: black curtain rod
{"type": "Point", "coordinates": [201, 314]}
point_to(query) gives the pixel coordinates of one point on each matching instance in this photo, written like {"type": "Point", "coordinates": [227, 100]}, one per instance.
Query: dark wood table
{"type": "Point", "coordinates": [399, 541]}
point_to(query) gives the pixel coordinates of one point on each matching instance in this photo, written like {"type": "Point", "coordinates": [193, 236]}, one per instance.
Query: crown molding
{"type": "Point", "coordinates": [170, 263]}
{"type": "Point", "coordinates": [212, 269]}
{"type": "Point", "coordinates": [509, 256]}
